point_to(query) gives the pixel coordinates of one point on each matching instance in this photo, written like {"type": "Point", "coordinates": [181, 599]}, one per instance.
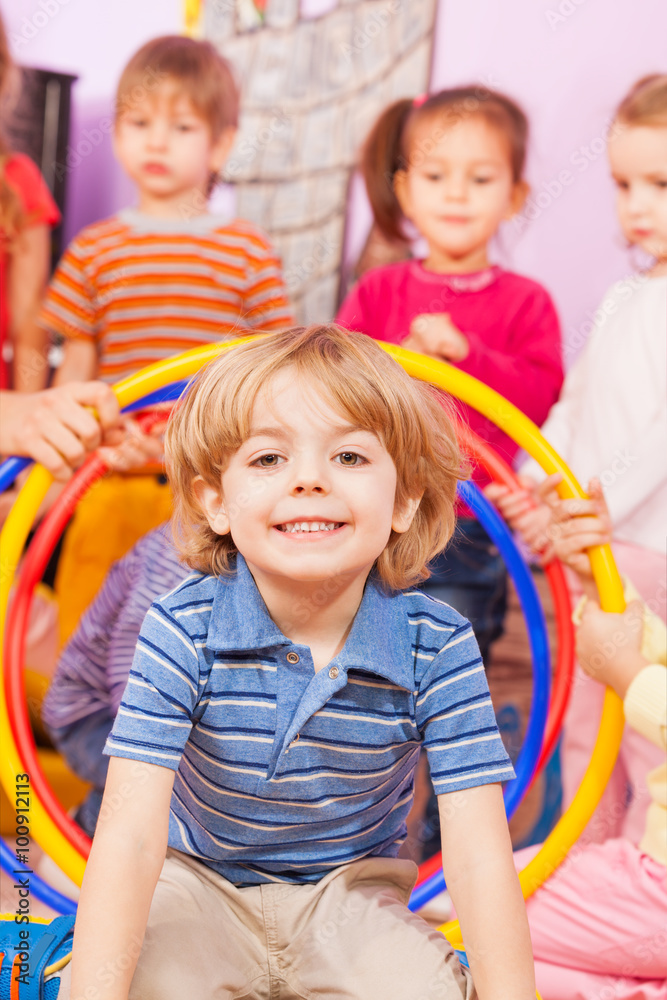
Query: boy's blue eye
{"type": "Point", "coordinates": [350, 459]}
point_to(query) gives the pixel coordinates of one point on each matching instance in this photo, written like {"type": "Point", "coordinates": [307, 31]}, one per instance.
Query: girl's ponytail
{"type": "Point", "coordinates": [381, 158]}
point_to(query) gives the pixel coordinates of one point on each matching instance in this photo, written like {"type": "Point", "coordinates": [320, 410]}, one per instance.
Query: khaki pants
{"type": "Point", "coordinates": [349, 937]}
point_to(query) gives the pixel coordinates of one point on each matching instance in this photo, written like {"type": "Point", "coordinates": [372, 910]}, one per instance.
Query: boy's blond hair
{"type": "Point", "coordinates": [203, 75]}
{"type": "Point", "coordinates": [360, 381]}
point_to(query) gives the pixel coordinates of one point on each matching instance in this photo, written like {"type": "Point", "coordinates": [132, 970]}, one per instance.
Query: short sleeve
{"type": "Point", "coordinates": [266, 302]}
{"type": "Point", "coordinates": [69, 306]}
{"type": "Point", "coordinates": [24, 178]}
{"type": "Point", "coordinates": [456, 719]}
{"type": "Point", "coordinates": [156, 712]}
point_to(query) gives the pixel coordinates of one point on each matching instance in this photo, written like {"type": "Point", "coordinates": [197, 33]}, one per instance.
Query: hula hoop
{"type": "Point", "coordinates": [38, 887]}
{"type": "Point", "coordinates": [43, 544]}
{"type": "Point", "coordinates": [501, 472]}
{"type": "Point", "coordinates": [502, 537]}
{"type": "Point", "coordinates": [36, 559]}
{"type": "Point", "coordinates": [10, 469]}
{"type": "Point", "coordinates": [492, 405]}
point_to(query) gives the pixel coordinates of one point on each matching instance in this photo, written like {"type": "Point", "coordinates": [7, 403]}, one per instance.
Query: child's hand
{"type": "Point", "coordinates": [513, 503]}
{"type": "Point", "coordinates": [55, 427]}
{"type": "Point", "coordinates": [434, 334]}
{"type": "Point", "coordinates": [578, 525]}
{"type": "Point", "coordinates": [609, 645]}
{"type": "Point", "coordinates": [139, 448]}
{"type": "Point", "coordinates": [528, 511]}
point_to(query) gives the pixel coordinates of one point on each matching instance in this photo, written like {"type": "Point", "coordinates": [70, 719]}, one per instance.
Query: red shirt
{"type": "Point", "coordinates": [510, 322]}
{"type": "Point", "coordinates": [39, 208]}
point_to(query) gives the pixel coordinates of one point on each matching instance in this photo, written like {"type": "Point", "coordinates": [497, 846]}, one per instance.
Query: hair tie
{"type": "Point", "coordinates": [419, 100]}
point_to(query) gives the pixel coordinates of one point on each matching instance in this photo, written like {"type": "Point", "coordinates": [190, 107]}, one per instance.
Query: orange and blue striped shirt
{"type": "Point", "coordinates": [145, 288]}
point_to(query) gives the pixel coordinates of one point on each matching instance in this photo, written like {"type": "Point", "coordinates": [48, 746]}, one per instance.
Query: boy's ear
{"type": "Point", "coordinates": [404, 516]}
{"type": "Point", "coordinates": [520, 192]}
{"type": "Point", "coordinates": [212, 504]}
{"type": "Point", "coordinates": [221, 148]}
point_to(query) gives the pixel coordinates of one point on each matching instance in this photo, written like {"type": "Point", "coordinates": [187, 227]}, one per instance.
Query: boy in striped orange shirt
{"type": "Point", "coordinates": [154, 280]}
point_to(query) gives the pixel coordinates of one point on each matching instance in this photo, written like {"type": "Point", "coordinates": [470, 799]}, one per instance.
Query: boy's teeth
{"type": "Point", "coordinates": [310, 526]}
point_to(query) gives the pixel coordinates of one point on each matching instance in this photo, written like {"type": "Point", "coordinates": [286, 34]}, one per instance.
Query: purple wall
{"type": "Point", "coordinates": [567, 61]}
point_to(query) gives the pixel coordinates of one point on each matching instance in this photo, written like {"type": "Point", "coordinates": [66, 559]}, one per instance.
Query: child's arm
{"type": "Point", "coordinates": [79, 362]}
{"type": "Point", "coordinates": [28, 274]}
{"type": "Point", "coordinates": [124, 865]}
{"type": "Point", "coordinates": [482, 881]}
{"type": "Point", "coordinates": [609, 646]}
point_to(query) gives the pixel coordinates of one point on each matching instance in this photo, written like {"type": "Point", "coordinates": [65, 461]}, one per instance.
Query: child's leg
{"type": "Point", "coordinates": [204, 940]}
{"type": "Point", "coordinates": [350, 935]}
{"type": "Point", "coordinates": [601, 918]}
{"type": "Point", "coordinates": [555, 982]}
{"type": "Point", "coordinates": [581, 724]}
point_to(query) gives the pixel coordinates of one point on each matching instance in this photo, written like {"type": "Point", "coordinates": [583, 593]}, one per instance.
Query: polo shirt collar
{"type": "Point", "coordinates": [379, 641]}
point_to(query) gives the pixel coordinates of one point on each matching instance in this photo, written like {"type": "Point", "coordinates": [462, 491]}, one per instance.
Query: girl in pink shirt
{"type": "Point", "coordinates": [451, 168]}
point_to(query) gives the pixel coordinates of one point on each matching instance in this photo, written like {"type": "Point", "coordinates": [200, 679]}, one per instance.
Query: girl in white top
{"type": "Point", "coordinates": [611, 422]}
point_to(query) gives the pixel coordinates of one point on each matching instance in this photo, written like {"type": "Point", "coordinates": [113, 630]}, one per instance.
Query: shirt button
{"type": "Point", "coordinates": [292, 657]}
{"type": "Point", "coordinates": [333, 673]}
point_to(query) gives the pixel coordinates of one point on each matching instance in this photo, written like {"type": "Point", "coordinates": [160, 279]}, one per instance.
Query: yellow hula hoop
{"type": "Point", "coordinates": [469, 390]}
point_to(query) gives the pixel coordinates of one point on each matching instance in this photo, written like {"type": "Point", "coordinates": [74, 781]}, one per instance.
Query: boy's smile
{"type": "Point", "coordinates": [307, 497]}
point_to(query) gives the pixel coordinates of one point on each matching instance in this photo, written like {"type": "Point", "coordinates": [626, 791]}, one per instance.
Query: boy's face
{"type": "Point", "coordinates": [307, 497]}
{"type": "Point", "coordinates": [638, 157]}
{"type": "Point", "coordinates": [167, 149]}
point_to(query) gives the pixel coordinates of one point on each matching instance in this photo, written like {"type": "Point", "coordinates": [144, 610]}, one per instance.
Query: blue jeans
{"type": "Point", "coordinates": [470, 575]}
{"type": "Point", "coordinates": [81, 744]}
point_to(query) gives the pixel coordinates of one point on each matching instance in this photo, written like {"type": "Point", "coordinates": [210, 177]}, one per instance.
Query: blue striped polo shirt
{"type": "Point", "coordinates": [283, 773]}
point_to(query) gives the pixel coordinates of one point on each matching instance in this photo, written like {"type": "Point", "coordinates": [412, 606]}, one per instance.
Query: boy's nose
{"type": "Point", "coordinates": [157, 136]}
{"type": "Point", "coordinates": [309, 477]}
{"type": "Point", "coordinates": [301, 488]}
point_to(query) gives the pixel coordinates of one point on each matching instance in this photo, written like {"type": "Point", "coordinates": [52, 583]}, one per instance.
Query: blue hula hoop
{"type": "Point", "coordinates": [38, 887]}
{"type": "Point", "coordinates": [526, 763]}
